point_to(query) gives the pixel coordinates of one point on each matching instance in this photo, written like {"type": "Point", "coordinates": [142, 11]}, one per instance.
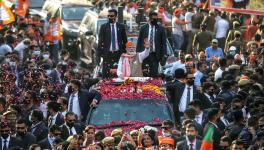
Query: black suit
{"type": "Point", "coordinates": [44, 144]}
{"type": "Point", "coordinates": [175, 92]}
{"type": "Point", "coordinates": [59, 120]}
{"type": "Point", "coordinates": [27, 140]}
{"type": "Point", "coordinates": [65, 132]}
{"type": "Point", "coordinates": [184, 146]}
{"type": "Point", "coordinates": [216, 135]}
{"type": "Point", "coordinates": [85, 98]}
{"type": "Point", "coordinates": [160, 53]}
{"type": "Point", "coordinates": [40, 131]}
{"type": "Point", "coordinates": [13, 142]}
{"type": "Point", "coordinates": [104, 43]}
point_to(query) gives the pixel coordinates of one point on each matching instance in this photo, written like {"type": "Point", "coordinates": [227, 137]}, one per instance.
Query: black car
{"type": "Point", "coordinates": [71, 15]}
{"type": "Point", "coordinates": [129, 114]}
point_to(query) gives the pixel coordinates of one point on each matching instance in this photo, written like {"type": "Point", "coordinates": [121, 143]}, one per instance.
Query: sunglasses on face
{"type": "Point", "coordinates": [261, 126]}
{"type": "Point", "coordinates": [20, 128]}
{"type": "Point", "coordinates": [111, 16]}
{"type": "Point", "coordinates": [71, 120]}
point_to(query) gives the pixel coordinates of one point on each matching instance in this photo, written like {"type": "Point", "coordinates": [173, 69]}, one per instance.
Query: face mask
{"type": "Point", "coordinates": [154, 21]}
{"type": "Point", "coordinates": [75, 70]}
{"type": "Point", "coordinates": [46, 56]}
{"type": "Point", "coordinates": [190, 82]}
{"type": "Point", "coordinates": [70, 124]}
{"type": "Point", "coordinates": [4, 135]}
{"type": "Point", "coordinates": [7, 60]}
{"type": "Point", "coordinates": [70, 90]}
{"type": "Point", "coordinates": [111, 20]}
{"type": "Point", "coordinates": [166, 134]}
{"type": "Point", "coordinates": [48, 72]}
{"type": "Point", "coordinates": [211, 93]}
{"type": "Point", "coordinates": [12, 63]}
{"type": "Point", "coordinates": [191, 137]}
{"type": "Point", "coordinates": [21, 133]}
{"type": "Point", "coordinates": [36, 52]}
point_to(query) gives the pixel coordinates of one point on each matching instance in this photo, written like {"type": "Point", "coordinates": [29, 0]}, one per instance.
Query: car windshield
{"type": "Point", "coordinates": [126, 110]}
{"type": "Point", "coordinates": [74, 13]}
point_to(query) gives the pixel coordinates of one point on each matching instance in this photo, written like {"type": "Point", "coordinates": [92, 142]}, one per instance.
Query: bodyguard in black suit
{"type": "Point", "coordinates": [111, 44]}
{"type": "Point", "coordinates": [156, 36]}
{"type": "Point", "coordinates": [55, 117]}
{"type": "Point", "coordinates": [70, 127]}
{"type": "Point", "coordinates": [27, 138]}
{"type": "Point", "coordinates": [38, 127]}
{"type": "Point", "coordinates": [54, 132]}
{"type": "Point", "coordinates": [181, 94]}
{"type": "Point", "coordinates": [81, 100]}
{"type": "Point", "coordinates": [6, 140]}
{"type": "Point", "coordinates": [191, 141]}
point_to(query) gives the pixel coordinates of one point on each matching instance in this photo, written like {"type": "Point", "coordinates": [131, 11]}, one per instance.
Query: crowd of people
{"type": "Point", "coordinates": [214, 80]}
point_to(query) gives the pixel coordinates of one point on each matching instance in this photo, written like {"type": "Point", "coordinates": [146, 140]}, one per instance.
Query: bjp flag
{"type": "Point", "coordinates": [6, 15]}
{"type": "Point", "coordinates": [21, 7]}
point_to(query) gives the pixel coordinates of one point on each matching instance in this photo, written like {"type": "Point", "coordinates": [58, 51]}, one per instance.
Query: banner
{"type": "Point", "coordinates": [239, 6]}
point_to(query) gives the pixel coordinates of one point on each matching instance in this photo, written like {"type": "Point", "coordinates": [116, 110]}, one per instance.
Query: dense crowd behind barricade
{"type": "Point", "coordinates": [213, 79]}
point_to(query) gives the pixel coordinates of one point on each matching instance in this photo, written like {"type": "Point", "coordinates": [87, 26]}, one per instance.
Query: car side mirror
{"type": "Point", "coordinates": [89, 33]}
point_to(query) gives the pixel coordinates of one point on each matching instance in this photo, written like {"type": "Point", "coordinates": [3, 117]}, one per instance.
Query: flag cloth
{"type": "Point", "coordinates": [22, 7]}
{"type": "Point", "coordinates": [6, 15]}
{"type": "Point", "coordinates": [207, 143]}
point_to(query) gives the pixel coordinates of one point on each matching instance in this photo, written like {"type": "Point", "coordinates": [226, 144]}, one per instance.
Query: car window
{"type": "Point", "coordinates": [36, 3]}
{"type": "Point", "coordinates": [99, 24]}
{"type": "Point", "coordinates": [125, 110]}
{"type": "Point", "coordinates": [73, 13]}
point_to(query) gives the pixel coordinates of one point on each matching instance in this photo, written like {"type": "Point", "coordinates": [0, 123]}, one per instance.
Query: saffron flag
{"type": "Point", "coordinates": [6, 15]}
{"type": "Point", "coordinates": [207, 143]}
{"type": "Point", "coordinates": [21, 7]}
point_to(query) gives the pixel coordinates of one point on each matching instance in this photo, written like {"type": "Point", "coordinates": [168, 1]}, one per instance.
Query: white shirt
{"type": "Point", "coordinates": [141, 55]}
{"type": "Point", "coordinates": [176, 28]}
{"type": "Point", "coordinates": [4, 49]}
{"type": "Point", "coordinates": [225, 121]}
{"type": "Point", "coordinates": [72, 130]}
{"type": "Point", "coordinates": [218, 74]}
{"type": "Point", "coordinates": [20, 49]}
{"type": "Point", "coordinates": [221, 28]}
{"type": "Point", "coordinates": [188, 17]}
{"type": "Point", "coordinates": [75, 105]}
{"type": "Point", "coordinates": [131, 10]}
{"type": "Point", "coordinates": [199, 118]}
{"type": "Point", "coordinates": [116, 42]}
{"type": "Point", "coordinates": [7, 142]}
{"type": "Point", "coordinates": [66, 88]}
{"type": "Point", "coordinates": [198, 76]}
{"type": "Point", "coordinates": [183, 101]}
{"type": "Point", "coordinates": [176, 65]}
{"type": "Point", "coordinates": [193, 144]}
{"type": "Point", "coordinates": [154, 30]}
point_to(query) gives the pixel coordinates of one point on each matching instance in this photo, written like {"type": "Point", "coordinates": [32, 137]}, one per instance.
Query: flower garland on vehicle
{"type": "Point", "coordinates": [131, 89]}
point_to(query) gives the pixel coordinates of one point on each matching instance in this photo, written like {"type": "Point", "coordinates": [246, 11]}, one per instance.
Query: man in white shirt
{"type": "Point", "coordinates": [21, 47]}
{"type": "Point", "coordinates": [221, 69]}
{"type": "Point", "coordinates": [221, 29]}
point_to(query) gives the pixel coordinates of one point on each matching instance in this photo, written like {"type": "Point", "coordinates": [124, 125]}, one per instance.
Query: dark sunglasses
{"type": "Point", "coordinates": [261, 126]}
{"type": "Point", "coordinates": [21, 128]}
{"type": "Point", "coordinates": [71, 120]}
{"type": "Point", "coordinates": [111, 16]}
{"type": "Point", "coordinates": [165, 128]}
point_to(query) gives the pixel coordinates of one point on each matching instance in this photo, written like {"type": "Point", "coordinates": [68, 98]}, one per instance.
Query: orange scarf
{"type": "Point", "coordinates": [126, 70]}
